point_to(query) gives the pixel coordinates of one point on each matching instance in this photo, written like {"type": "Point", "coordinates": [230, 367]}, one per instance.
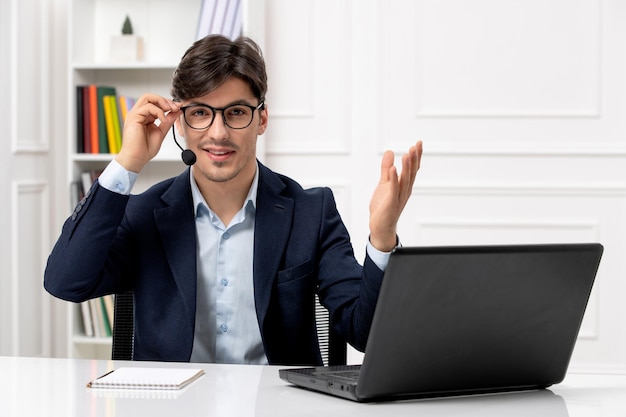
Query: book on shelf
{"type": "Point", "coordinates": [96, 319]}
{"type": "Point", "coordinates": [103, 140]}
{"type": "Point", "coordinates": [80, 186]}
{"type": "Point", "coordinates": [86, 316]}
{"type": "Point", "coordinates": [114, 127]}
{"type": "Point", "coordinates": [100, 118]}
{"type": "Point", "coordinates": [109, 305]}
{"type": "Point", "coordinates": [97, 316]}
{"type": "Point", "coordinates": [80, 125]}
{"type": "Point", "coordinates": [87, 179]}
{"type": "Point", "coordinates": [76, 193]}
{"type": "Point", "coordinates": [85, 115]}
{"type": "Point", "coordinates": [93, 118]}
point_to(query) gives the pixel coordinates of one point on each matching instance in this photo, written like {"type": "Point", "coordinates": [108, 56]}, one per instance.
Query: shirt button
{"type": "Point", "coordinates": [224, 282]}
{"type": "Point", "coordinates": [224, 328]}
{"type": "Point", "coordinates": [120, 187]}
{"type": "Point", "coordinates": [226, 235]}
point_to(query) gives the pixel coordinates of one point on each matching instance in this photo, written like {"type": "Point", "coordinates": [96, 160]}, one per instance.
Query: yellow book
{"type": "Point", "coordinates": [117, 126]}
{"type": "Point", "coordinates": [108, 117]}
{"type": "Point", "coordinates": [123, 110]}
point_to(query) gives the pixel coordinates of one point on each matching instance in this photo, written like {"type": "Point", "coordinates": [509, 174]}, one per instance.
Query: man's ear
{"type": "Point", "coordinates": [179, 127]}
{"type": "Point", "coordinates": [263, 119]}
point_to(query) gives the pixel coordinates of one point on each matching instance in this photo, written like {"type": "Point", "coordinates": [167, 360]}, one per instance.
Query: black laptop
{"type": "Point", "coordinates": [468, 320]}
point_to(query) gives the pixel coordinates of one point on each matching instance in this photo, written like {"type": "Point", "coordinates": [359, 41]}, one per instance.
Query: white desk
{"type": "Point", "coordinates": [56, 387]}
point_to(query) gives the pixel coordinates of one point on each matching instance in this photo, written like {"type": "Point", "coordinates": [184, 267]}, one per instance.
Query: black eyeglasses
{"type": "Point", "coordinates": [235, 116]}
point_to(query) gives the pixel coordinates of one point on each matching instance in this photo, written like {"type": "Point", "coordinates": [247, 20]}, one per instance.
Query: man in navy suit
{"type": "Point", "coordinates": [225, 259]}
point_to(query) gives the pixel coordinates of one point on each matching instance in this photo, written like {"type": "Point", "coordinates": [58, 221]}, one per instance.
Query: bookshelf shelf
{"type": "Point", "coordinates": [87, 340]}
{"type": "Point", "coordinates": [87, 157]}
{"type": "Point", "coordinates": [112, 66]}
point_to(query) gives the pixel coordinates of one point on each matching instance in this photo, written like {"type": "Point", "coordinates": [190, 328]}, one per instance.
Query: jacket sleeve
{"type": "Point", "coordinates": [87, 259]}
{"type": "Point", "coordinates": [347, 289]}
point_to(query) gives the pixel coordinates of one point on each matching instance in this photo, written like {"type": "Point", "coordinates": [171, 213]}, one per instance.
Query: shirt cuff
{"type": "Point", "coordinates": [117, 179]}
{"type": "Point", "coordinates": [379, 258]}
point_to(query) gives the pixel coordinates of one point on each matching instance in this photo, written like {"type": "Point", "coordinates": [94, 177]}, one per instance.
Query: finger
{"type": "Point", "coordinates": [153, 116]}
{"type": "Point", "coordinates": [167, 121]}
{"type": "Point", "coordinates": [394, 182]}
{"type": "Point", "coordinates": [150, 108]}
{"type": "Point", "coordinates": [418, 156]}
{"type": "Point", "coordinates": [163, 103]}
{"type": "Point", "coordinates": [405, 181]}
{"type": "Point", "coordinates": [385, 165]}
{"type": "Point", "coordinates": [415, 156]}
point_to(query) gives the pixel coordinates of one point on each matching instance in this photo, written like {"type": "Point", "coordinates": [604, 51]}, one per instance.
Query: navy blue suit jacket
{"type": "Point", "coordinates": [147, 243]}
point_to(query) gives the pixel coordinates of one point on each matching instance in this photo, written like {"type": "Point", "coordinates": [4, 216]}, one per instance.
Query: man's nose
{"type": "Point", "coordinates": [218, 129]}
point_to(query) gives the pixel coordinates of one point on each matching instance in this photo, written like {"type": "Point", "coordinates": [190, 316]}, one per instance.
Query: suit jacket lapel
{"type": "Point", "coordinates": [176, 225]}
{"type": "Point", "coordinates": [272, 226]}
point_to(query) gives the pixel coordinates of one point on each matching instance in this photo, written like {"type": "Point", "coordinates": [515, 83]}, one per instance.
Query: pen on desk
{"type": "Point", "coordinates": [101, 376]}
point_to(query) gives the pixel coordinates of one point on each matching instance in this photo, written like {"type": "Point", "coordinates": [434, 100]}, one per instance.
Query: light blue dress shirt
{"type": "Point", "coordinates": [227, 329]}
{"type": "Point", "coordinates": [226, 326]}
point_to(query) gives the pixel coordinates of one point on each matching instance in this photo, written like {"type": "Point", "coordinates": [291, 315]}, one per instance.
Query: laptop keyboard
{"type": "Point", "coordinates": [351, 375]}
{"type": "Point", "coordinates": [341, 371]}
{"type": "Point", "coordinates": [350, 372]}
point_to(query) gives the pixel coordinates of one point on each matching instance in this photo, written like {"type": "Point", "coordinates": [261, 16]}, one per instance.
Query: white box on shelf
{"type": "Point", "coordinates": [126, 48]}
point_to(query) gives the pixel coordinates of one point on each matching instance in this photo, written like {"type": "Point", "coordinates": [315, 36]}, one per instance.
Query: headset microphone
{"type": "Point", "coordinates": [187, 155]}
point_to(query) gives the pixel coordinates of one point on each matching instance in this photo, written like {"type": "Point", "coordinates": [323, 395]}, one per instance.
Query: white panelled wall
{"type": "Point", "coordinates": [31, 81]}
{"type": "Point", "coordinates": [521, 105]}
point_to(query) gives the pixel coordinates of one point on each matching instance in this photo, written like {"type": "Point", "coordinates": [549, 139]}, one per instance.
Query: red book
{"type": "Point", "coordinates": [86, 121]}
{"type": "Point", "coordinates": [93, 118]}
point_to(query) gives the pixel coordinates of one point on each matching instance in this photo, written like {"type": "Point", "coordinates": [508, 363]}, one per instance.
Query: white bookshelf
{"type": "Point", "coordinates": [167, 30]}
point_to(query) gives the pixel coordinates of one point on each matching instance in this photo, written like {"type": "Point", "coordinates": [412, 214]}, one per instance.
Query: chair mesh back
{"type": "Point", "coordinates": [123, 327]}
{"type": "Point", "coordinates": [333, 348]}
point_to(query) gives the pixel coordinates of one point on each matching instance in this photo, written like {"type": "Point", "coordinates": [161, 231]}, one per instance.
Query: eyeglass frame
{"type": "Point", "coordinates": [221, 110]}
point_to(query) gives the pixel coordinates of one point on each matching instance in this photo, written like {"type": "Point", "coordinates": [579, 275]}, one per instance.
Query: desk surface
{"type": "Point", "coordinates": [56, 387]}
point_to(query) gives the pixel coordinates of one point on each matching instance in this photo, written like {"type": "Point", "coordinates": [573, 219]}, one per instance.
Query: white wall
{"type": "Point", "coordinates": [520, 104]}
{"type": "Point", "coordinates": [32, 76]}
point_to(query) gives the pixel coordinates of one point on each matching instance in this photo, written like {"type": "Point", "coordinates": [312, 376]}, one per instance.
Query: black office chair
{"type": "Point", "coordinates": [333, 348]}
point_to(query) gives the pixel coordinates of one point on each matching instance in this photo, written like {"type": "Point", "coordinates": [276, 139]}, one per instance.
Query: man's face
{"type": "Point", "coordinates": [223, 153]}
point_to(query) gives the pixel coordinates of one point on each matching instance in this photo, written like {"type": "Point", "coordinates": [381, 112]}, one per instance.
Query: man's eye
{"type": "Point", "coordinates": [198, 113]}
{"type": "Point", "coordinates": [237, 111]}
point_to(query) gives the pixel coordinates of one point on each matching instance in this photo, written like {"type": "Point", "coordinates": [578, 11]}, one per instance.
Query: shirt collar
{"type": "Point", "coordinates": [198, 199]}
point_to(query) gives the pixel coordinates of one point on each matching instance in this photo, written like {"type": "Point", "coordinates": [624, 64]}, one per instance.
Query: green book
{"type": "Point", "coordinates": [103, 141]}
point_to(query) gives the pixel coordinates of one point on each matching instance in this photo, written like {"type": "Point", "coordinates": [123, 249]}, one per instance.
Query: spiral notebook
{"type": "Point", "coordinates": [147, 378]}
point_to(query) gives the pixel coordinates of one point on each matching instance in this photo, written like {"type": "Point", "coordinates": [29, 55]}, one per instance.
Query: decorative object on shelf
{"type": "Point", "coordinates": [223, 17]}
{"type": "Point", "coordinates": [126, 47]}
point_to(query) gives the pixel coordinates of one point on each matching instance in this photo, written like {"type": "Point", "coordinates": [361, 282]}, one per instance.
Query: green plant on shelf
{"type": "Point", "coordinates": [127, 27]}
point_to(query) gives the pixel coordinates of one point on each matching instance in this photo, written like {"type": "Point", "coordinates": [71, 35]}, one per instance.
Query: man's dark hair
{"type": "Point", "coordinates": [212, 60]}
